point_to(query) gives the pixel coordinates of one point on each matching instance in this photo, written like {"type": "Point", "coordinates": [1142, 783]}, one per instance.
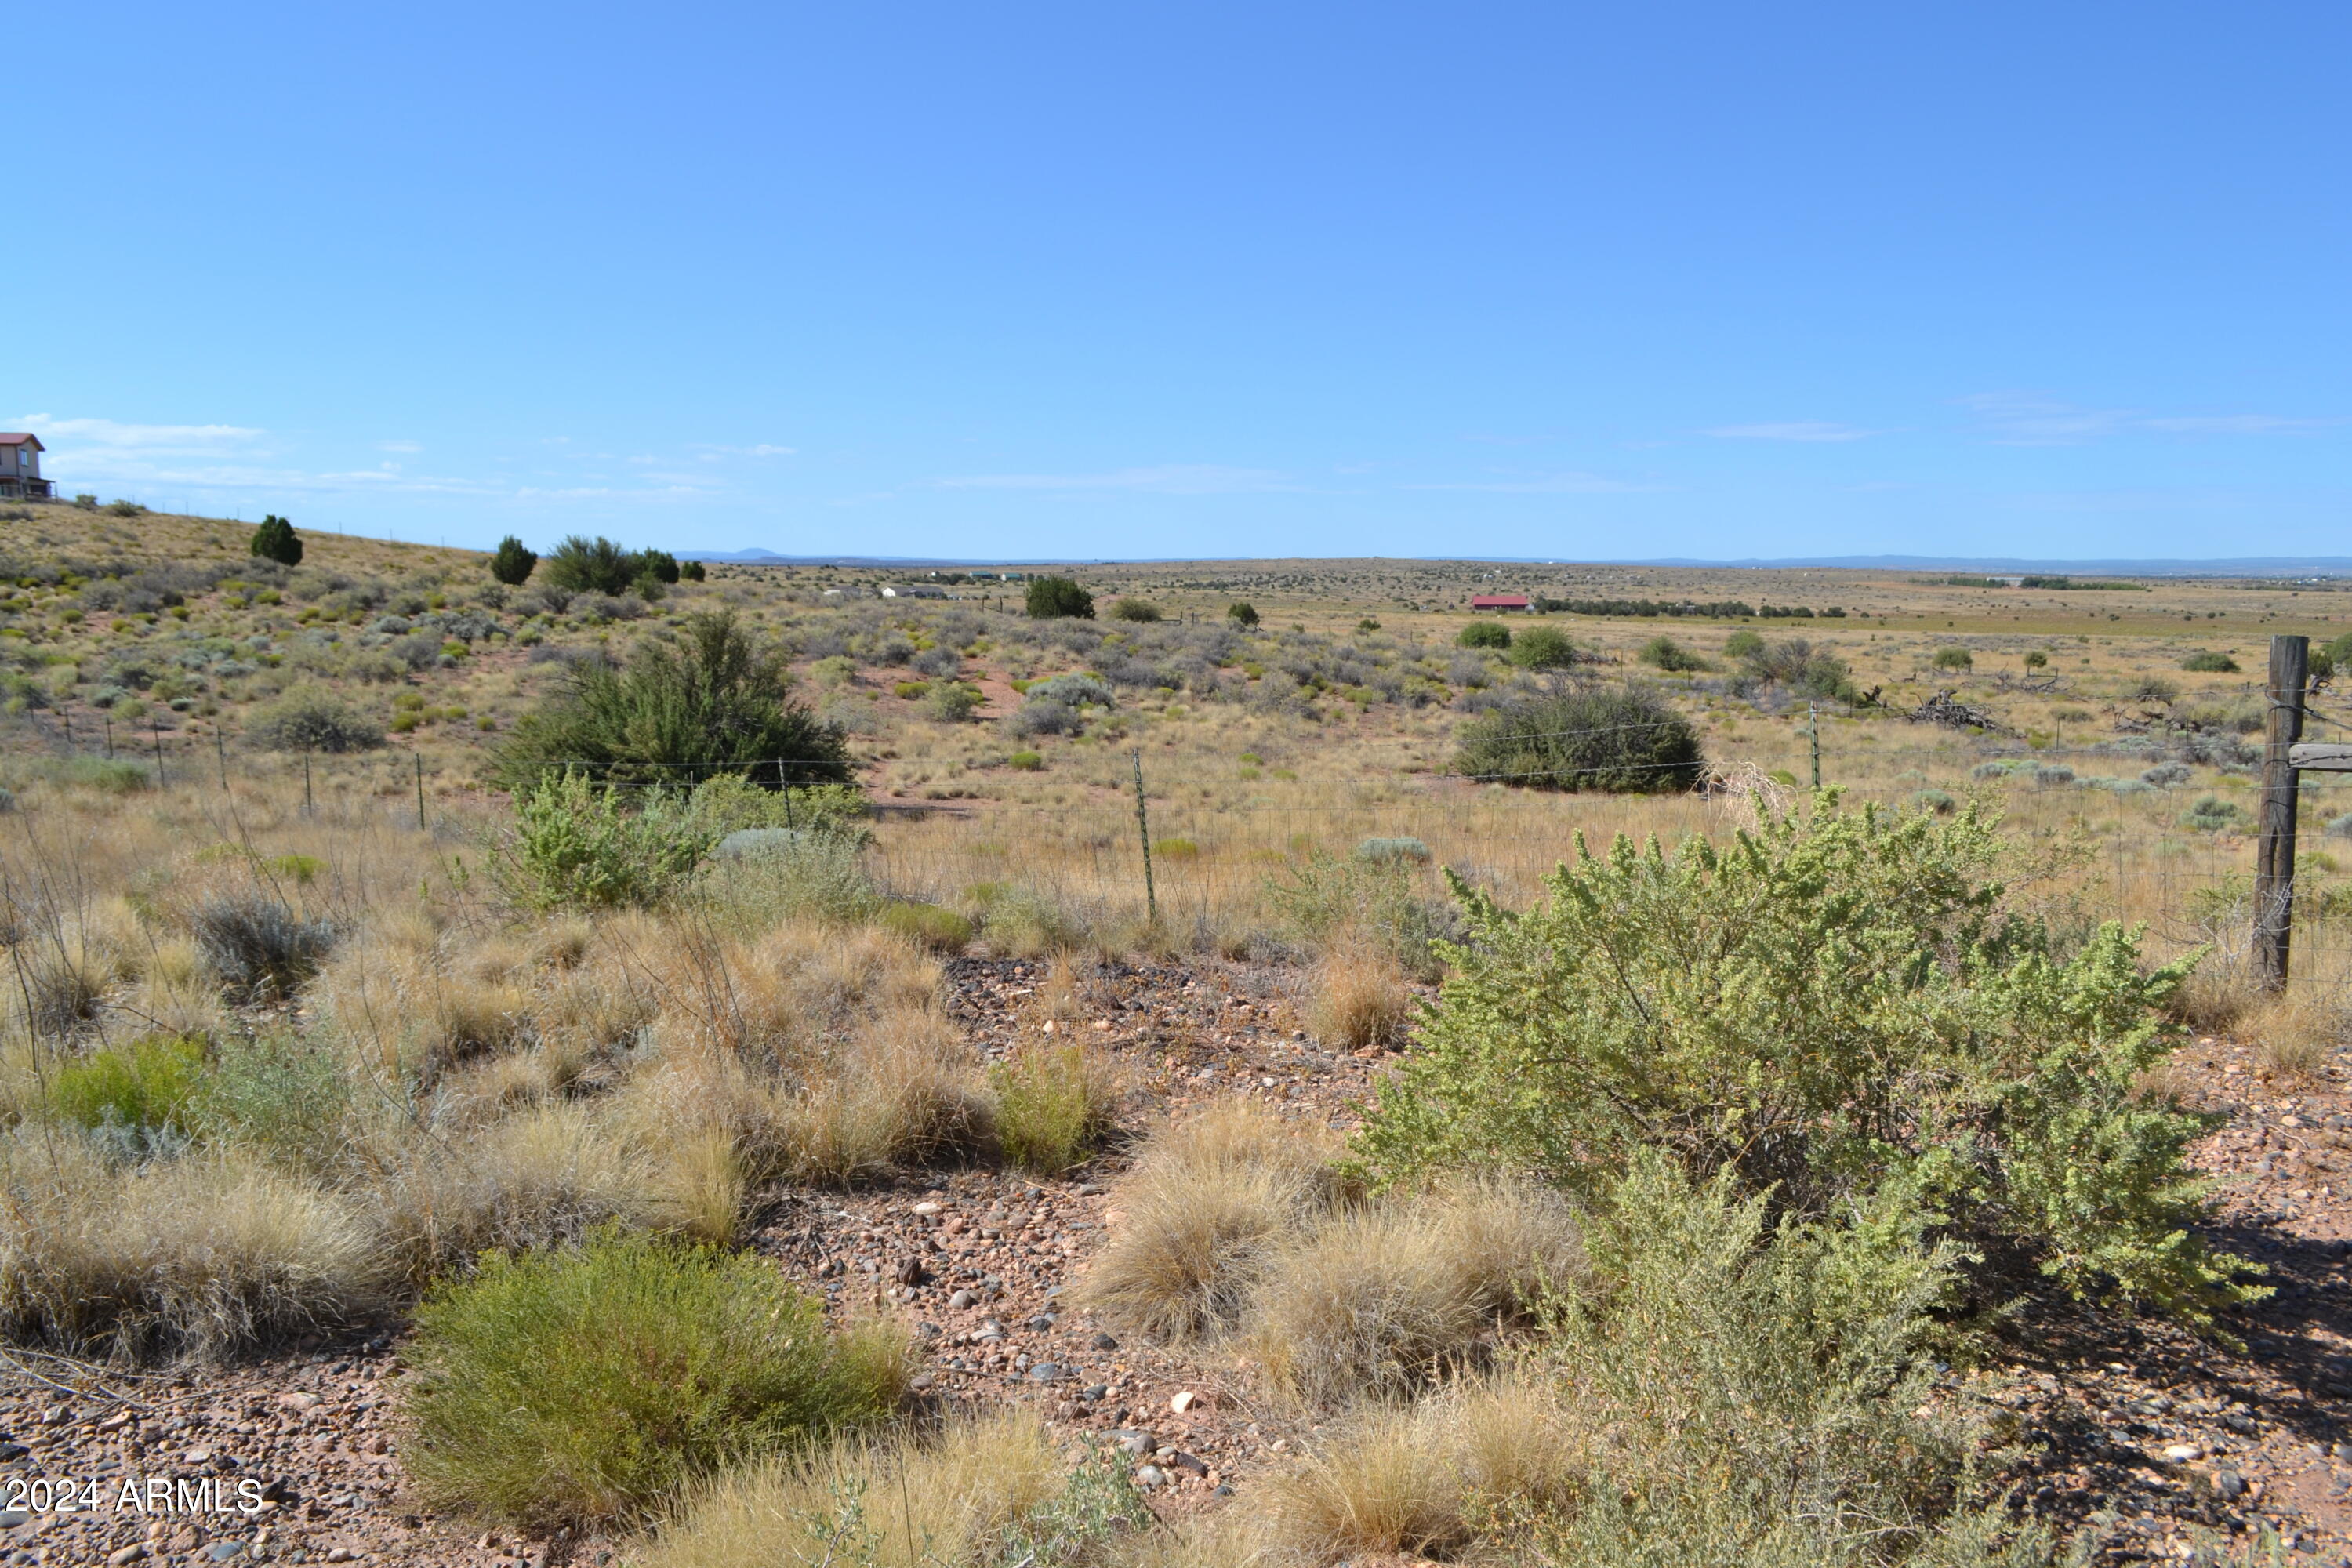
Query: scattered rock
{"type": "Point", "coordinates": [1104, 1341]}
{"type": "Point", "coordinates": [1185, 1401]}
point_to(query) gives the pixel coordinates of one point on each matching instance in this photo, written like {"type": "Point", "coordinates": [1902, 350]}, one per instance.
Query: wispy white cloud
{"type": "Point", "coordinates": [2236, 425]}
{"type": "Point", "coordinates": [400, 446]}
{"type": "Point", "coordinates": [1173, 478]}
{"type": "Point", "coordinates": [710, 450]}
{"type": "Point", "coordinates": [1792, 430]}
{"type": "Point", "coordinates": [2031, 419]}
{"type": "Point", "coordinates": [1542, 484]}
{"type": "Point", "coordinates": [153, 439]}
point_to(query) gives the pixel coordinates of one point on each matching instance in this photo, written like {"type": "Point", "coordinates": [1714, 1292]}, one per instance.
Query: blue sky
{"type": "Point", "coordinates": [1084, 280]}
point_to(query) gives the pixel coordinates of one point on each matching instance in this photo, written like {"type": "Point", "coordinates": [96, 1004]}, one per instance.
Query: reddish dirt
{"type": "Point", "coordinates": [2099, 1399]}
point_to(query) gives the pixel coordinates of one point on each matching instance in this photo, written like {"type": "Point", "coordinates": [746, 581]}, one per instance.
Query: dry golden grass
{"type": "Point", "coordinates": [198, 1255]}
{"type": "Point", "coordinates": [1385, 1298]}
{"type": "Point", "coordinates": [2296, 1034]}
{"type": "Point", "coordinates": [1358, 998]}
{"type": "Point", "coordinates": [1420, 1478]}
{"type": "Point", "coordinates": [901, 1504]}
{"type": "Point", "coordinates": [1210, 1202]}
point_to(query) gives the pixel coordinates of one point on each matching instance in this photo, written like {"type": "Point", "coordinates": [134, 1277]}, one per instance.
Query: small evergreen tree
{"type": "Point", "coordinates": [1050, 597]}
{"type": "Point", "coordinates": [1242, 612]}
{"type": "Point", "coordinates": [658, 564]}
{"type": "Point", "coordinates": [276, 540]}
{"type": "Point", "coordinates": [514, 563]}
{"type": "Point", "coordinates": [691, 571]}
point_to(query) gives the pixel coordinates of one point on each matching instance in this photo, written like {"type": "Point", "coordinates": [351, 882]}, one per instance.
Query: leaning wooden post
{"type": "Point", "coordinates": [2274, 849]}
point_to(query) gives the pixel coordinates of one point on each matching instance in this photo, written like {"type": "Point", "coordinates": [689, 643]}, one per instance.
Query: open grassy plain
{"type": "Point", "coordinates": [1057, 1152]}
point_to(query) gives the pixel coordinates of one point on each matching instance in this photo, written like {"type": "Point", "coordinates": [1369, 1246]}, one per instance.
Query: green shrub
{"type": "Point", "coordinates": [576, 846]}
{"type": "Point", "coordinates": [1139, 610]}
{"type": "Point", "coordinates": [1176, 849]}
{"type": "Point", "coordinates": [1622, 741]}
{"type": "Point", "coordinates": [313, 718]}
{"type": "Point", "coordinates": [1842, 1015]}
{"type": "Point", "coordinates": [953, 702]}
{"type": "Point", "coordinates": [590, 1385]}
{"type": "Point", "coordinates": [933, 926]}
{"type": "Point", "coordinates": [716, 703]}
{"type": "Point", "coordinates": [2036, 659]}
{"type": "Point", "coordinates": [1051, 1103]}
{"type": "Point", "coordinates": [282, 1095]}
{"type": "Point", "coordinates": [1052, 597]}
{"type": "Point", "coordinates": [1242, 612]}
{"type": "Point", "coordinates": [1743, 1395]}
{"type": "Point", "coordinates": [1543, 647]}
{"type": "Point", "coordinates": [2210, 662]}
{"type": "Point", "coordinates": [729, 802]}
{"type": "Point", "coordinates": [144, 1085]}
{"type": "Point", "coordinates": [597, 565]}
{"type": "Point", "coordinates": [1953, 658]}
{"type": "Point", "coordinates": [1793, 663]}
{"type": "Point", "coordinates": [2214, 815]}
{"type": "Point", "coordinates": [1484, 634]}
{"type": "Point", "coordinates": [514, 563]}
{"type": "Point", "coordinates": [1665, 653]}
{"type": "Point", "coordinates": [108, 775]}
{"type": "Point", "coordinates": [1325, 900]}
{"type": "Point", "coordinates": [1024, 762]}
{"type": "Point", "coordinates": [1394, 849]}
{"type": "Point", "coordinates": [2154, 688]}
{"type": "Point", "coordinates": [276, 540]}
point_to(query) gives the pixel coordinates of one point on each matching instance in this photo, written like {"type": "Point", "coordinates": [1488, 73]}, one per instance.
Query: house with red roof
{"type": "Point", "coordinates": [1499, 602]}
{"type": "Point", "coordinates": [20, 469]}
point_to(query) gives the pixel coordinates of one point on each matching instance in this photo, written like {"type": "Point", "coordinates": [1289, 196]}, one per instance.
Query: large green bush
{"type": "Point", "coordinates": [1049, 598]}
{"type": "Point", "coordinates": [589, 1385]}
{"type": "Point", "coordinates": [592, 565]}
{"type": "Point", "coordinates": [577, 846]}
{"type": "Point", "coordinates": [514, 562]}
{"type": "Point", "coordinates": [1543, 647]}
{"type": "Point", "coordinates": [274, 539]}
{"type": "Point", "coordinates": [1841, 1015]}
{"type": "Point", "coordinates": [717, 702]}
{"type": "Point", "coordinates": [1484, 634]}
{"type": "Point", "coordinates": [1622, 741]}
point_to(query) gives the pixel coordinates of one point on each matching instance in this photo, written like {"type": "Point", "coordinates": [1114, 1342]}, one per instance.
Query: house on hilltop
{"type": "Point", "coordinates": [20, 469]}
{"type": "Point", "coordinates": [1499, 602]}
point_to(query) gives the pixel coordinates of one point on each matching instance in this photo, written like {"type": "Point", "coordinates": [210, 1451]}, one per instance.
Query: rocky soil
{"type": "Point", "coordinates": [2165, 1447]}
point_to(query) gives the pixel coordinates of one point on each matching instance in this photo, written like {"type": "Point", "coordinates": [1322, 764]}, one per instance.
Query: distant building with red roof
{"type": "Point", "coordinates": [1499, 602]}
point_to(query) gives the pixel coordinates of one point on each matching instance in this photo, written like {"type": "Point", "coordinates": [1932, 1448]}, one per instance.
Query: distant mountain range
{"type": "Point", "coordinates": [2219, 566]}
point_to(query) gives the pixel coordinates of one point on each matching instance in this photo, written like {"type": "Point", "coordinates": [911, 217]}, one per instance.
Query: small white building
{"type": "Point", "coordinates": [913, 591]}
{"type": "Point", "coordinates": [20, 467]}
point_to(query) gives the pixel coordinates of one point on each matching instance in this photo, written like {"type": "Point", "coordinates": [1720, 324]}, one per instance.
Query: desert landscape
{"type": "Point", "coordinates": [648, 1063]}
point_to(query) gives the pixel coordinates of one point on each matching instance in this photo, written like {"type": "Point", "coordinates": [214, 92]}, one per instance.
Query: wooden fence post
{"type": "Point", "coordinates": [2274, 849]}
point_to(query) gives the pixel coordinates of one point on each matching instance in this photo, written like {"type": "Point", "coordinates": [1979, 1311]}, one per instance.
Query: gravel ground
{"type": "Point", "coordinates": [2163, 1445]}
